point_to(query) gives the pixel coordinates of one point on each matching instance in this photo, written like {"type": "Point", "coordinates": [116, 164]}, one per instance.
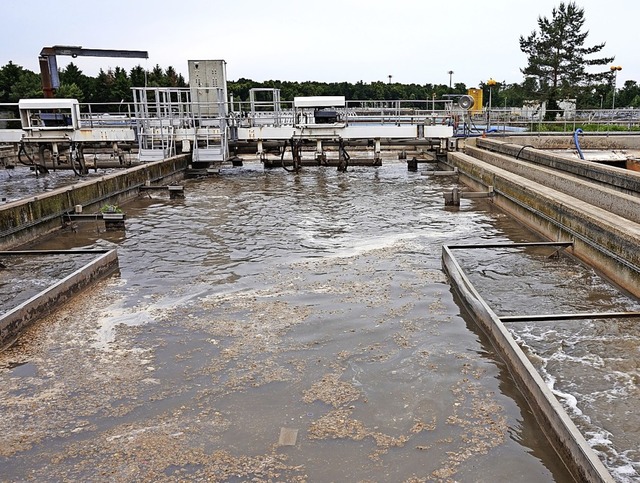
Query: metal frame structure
{"type": "Point", "coordinates": [200, 120]}
{"type": "Point", "coordinates": [49, 64]}
{"type": "Point", "coordinates": [168, 122]}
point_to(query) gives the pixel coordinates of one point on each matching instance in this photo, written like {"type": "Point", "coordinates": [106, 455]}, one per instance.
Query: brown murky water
{"type": "Point", "coordinates": [281, 327]}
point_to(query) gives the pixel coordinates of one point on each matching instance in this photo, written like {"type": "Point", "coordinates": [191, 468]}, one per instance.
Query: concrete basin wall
{"type": "Point", "coordinates": [587, 141]}
{"type": "Point", "coordinates": [602, 239]}
{"type": "Point", "coordinates": [25, 220]}
{"type": "Point", "coordinates": [16, 320]}
{"type": "Point", "coordinates": [625, 180]}
{"type": "Point", "coordinates": [614, 201]}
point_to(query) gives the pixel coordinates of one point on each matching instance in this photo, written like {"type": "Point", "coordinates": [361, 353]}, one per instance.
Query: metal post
{"type": "Point", "coordinates": [320, 156]}
{"type": "Point", "coordinates": [490, 83]}
{"type": "Point", "coordinates": [489, 111]}
{"type": "Point", "coordinates": [614, 70]}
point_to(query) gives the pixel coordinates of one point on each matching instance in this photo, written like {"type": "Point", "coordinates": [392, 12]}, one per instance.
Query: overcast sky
{"type": "Point", "coordinates": [325, 40]}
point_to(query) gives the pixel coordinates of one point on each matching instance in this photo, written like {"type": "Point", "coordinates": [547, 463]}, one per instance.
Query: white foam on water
{"type": "Point", "coordinates": [171, 302]}
{"type": "Point", "coordinates": [620, 465]}
{"type": "Point", "coordinates": [106, 331]}
{"type": "Point", "coordinates": [106, 335]}
{"type": "Point", "coordinates": [362, 246]}
{"type": "Point", "coordinates": [623, 465]}
{"type": "Point", "coordinates": [349, 246]}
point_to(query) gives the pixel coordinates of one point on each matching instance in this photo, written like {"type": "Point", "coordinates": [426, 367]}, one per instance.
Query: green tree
{"type": "Point", "coordinates": [27, 86]}
{"type": "Point", "coordinates": [70, 91]}
{"type": "Point", "coordinates": [627, 94]}
{"type": "Point", "coordinates": [156, 77]}
{"type": "Point", "coordinates": [121, 88]}
{"type": "Point", "coordinates": [557, 57]}
{"type": "Point", "coordinates": [514, 95]}
{"type": "Point", "coordinates": [103, 84]}
{"type": "Point", "coordinates": [172, 78]}
{"type": "Point", "coordinates": [138, 76]}
{"type": "Point", "coordinates": [9, 75]}
{"type": "Point", "coordinates": [73, 76]}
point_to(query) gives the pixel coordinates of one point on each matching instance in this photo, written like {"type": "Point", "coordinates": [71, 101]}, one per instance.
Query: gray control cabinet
{"type": "Point", "coordinates": [208, 84]}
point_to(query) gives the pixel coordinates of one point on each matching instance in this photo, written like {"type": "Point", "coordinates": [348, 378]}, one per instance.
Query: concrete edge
{"type": "Point", "coordinates": [26, 219]}
{"type": "Point", "coordinates": [13, 322]}
{"type": "Point", "coordinates": [559, 429]}
{"type": "Point", "coordinates": [621, 179]}
{"type": "Point", "coordinates": [614, 201]}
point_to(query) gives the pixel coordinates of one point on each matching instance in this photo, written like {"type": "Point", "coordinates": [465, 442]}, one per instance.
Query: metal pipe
{"type": "Point", "coordinates": [577, 143]}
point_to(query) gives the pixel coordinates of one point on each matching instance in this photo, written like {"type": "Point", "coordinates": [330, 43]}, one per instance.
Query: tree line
{"type": "Point", "coordinates": [114, 85]}
{"type": "Point", "coordinates": [557, 69]}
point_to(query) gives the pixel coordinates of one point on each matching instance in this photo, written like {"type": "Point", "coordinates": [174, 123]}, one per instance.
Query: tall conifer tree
{"type": "Point", "coordinates": [558, 59]}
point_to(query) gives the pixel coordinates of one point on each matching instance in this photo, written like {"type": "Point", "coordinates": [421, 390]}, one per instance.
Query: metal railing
{"type": "Point", "coordinates": [592, 120]}
{"type": "Point", "coordinates": [175, 108]}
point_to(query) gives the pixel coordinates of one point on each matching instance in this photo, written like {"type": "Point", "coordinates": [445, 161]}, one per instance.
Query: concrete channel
{"type": "Point", "coordinates": [25, 220]}
{"type": "Point", "coordinates": [14, 321]}
{"type": "Point", "coordinates": [592, 206]}
{"type": "Point", "coordinates": [556, 424]}
{"type": "Point", "coordinates": [565, 199]}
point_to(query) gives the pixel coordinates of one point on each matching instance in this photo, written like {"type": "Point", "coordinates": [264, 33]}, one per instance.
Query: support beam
{"type": "Point", "coordinates": [49, 64]}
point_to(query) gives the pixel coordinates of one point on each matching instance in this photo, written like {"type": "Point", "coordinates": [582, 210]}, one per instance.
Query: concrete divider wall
{"type": "Point", "coordinates": [20, 317]}
{"type": "Point", "coordinates": [590, 140]}
{"type": "Point", "coordinates": [622, 179]}
{"type": "Point", "coordinates": [603, 240]}
{"type": "Point", "coordinates": [556, 424]}
{"type": "Point", "coordinates": [24, 220]}
{"type": "Point", "coordinates": [618, 202]}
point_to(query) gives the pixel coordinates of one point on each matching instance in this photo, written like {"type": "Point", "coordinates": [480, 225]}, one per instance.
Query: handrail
{"type": "Point", "coordinates": [503, 119]}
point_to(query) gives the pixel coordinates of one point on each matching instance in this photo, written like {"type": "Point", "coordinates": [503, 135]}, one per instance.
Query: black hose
{"type": "Point", "coordinates": [296, 158]}
{"type": "Point", "coordinates": [345, 156]}
{"type": "Point", "coordinates": [284, 150]}
{"type": "Point", "coordinates": [73, 149]}
{"type": "Point", "coordinates": [522, 149]}
{"type": "Point", "coordinates": [39, 168]}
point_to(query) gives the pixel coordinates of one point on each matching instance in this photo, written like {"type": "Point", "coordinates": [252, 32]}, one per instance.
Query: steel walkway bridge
{"type": "Point", "coordinates": [205, 121]}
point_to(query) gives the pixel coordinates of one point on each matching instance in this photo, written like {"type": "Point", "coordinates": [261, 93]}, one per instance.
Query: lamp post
{"type": "Point", "coordinates": [614, 71]}
{"type": "Point", "coordinates": [450, 77]}
{"type": "Point", "coordinates": [490, 83]}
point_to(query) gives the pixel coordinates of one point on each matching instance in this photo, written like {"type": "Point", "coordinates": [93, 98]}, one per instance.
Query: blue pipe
{"type": "Point", "coordinates": [577, 143]}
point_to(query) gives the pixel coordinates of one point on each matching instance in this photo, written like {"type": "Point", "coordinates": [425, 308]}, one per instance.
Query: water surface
{"type": "Point", "coordinates": [268, 308]}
